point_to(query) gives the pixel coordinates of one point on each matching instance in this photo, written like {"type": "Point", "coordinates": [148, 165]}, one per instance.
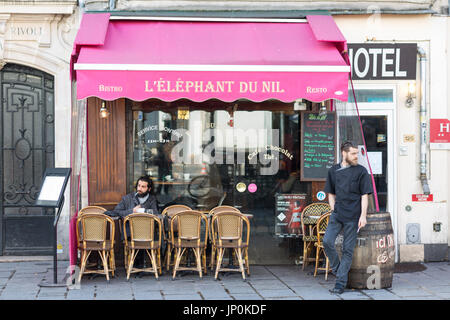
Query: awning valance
{"type": "Point", "coordinates": [200, 60]}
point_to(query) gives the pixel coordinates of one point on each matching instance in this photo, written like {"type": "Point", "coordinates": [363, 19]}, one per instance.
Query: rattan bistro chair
{"type": "Point", "coordinates": [142, 237]}
{"type": "Point", "coordinates": [91, 229]}
{"type": "Point", "coordinates": [91, 209]}
{"type": "Point", "coordinates": [321, 227]}
{"type": "Point", "coordinates": [189, 237]}
{"type": "Point", "coordinates": [169, 212]}
{"type": "Point", "coordinates": [212, 237]}
{"type": "Point", "coordinates": [309, 218]}
{"type": "Point", "coordinates": [230, 236]}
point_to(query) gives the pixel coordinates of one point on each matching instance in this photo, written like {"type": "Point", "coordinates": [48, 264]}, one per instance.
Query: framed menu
{"type": "Point", "coordinates": [318, 145]}
{"type": "Point", "coordinates": [53, 185]}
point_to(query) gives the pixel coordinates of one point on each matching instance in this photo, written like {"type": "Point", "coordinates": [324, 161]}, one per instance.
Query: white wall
{"type": "Point", "coordinates": [49, 52]}
{"type": "Point", "coordinates": [427, 32]}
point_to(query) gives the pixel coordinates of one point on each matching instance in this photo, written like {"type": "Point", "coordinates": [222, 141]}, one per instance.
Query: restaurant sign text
{"type": "Point", "coordinates": [201, 86]}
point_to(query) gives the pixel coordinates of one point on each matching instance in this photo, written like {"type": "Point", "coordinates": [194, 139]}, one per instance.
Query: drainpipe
{"type": "Point", "coordinates": [423, 121]}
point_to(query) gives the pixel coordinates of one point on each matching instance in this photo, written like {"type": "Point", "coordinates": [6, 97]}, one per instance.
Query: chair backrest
{"type": "Point", "coordinates": [229, 226]}
{"type": "Point", "coordinates": [321, 226]}
{"type": "Point", "coordinates": [218, 209]}
{"type": "Point", "coordinates": [170, 211]}
{"type": "Point", "coordinates": [189, 225]}
{"type": "Point", "coordinates": [91, 209]}
{"type": "Point", "coordinates": [142, 227]}
{"type": "Point", "coordinates": [314, 209]}
{"type": "Point", "coordinates": [94, 227]}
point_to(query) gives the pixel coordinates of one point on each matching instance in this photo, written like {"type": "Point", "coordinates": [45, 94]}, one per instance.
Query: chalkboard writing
{"type": "Point", "coordinates": [318, 145]}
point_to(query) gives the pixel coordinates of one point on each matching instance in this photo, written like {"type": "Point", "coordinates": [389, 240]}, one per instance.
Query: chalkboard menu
{"type": "Point", "coordinates": [318, 145]}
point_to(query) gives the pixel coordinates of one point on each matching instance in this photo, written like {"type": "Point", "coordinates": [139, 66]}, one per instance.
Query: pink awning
{"type": "Point", "coordinates": [200, 60]}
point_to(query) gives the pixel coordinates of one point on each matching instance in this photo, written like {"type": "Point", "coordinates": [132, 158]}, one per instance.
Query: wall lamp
{"type": "Point", "coordinates": [323, 108]}
{"type": "Point", "coordinates": [104, 113]}
{"type": "Point", "coordinates": [411, 94]}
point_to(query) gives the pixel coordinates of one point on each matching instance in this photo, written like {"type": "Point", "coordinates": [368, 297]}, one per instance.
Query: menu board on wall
{"type": "Point", "coordinates": [318, 145]}
{"type": "Point", "coordinates": [288, 210]}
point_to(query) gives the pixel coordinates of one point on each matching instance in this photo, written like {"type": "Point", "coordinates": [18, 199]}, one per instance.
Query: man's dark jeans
{"type": "Point", "coordinates": [340, 268]}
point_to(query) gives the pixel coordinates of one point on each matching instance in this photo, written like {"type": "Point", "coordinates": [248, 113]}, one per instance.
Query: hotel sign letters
{"type": "Point", "coordinates": [383, 61]}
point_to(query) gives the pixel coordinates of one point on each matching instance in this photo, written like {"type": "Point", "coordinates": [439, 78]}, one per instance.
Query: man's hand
{"type": "Point", "coordinates": [137, 207]}
{"type": "Point", "coordinates": [362, 222]}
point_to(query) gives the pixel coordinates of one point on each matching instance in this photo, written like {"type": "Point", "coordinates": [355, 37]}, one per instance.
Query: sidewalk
{"type": "Point", "coordinates": [19, 281]}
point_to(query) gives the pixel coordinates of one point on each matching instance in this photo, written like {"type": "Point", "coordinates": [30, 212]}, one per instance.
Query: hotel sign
{"type": "Point", "coordinates": [440, 134]}
{"type": "Point", "coordinates": [383, 61]}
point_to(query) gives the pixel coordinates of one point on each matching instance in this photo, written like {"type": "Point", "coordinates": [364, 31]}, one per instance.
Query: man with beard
{"type": "Point", "coordinates": [142, 199]}
{"type": "Point", "coordinates": [139, 201]}
{"type": "Point", "coordinates": [348, 186]}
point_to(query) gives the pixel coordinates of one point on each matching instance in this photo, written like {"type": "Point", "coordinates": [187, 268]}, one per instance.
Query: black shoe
{"type": "Point", "coordinates": [337, 290]}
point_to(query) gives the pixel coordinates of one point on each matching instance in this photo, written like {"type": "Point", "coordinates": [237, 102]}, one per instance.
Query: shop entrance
{"type": "Point", "coordinates": [376, 105]}
{"type": "Point", "coordinates": [27, 149]}
{"type": "Point", "coordinates": [379, 135]}
{"type": "Point", "coordinates": [242, 158]}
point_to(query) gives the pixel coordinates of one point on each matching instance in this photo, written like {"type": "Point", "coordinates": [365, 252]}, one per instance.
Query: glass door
{"type": "Point", "coordinates": [378, 133]}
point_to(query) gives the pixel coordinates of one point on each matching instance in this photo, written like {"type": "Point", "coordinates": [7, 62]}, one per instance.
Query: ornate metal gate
{"type": "Point", "coordinates": [27, 140]}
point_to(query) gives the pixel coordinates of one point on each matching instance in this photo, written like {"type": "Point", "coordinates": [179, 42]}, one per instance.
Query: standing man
{"type": "Point", "coordinates": [348, 186]}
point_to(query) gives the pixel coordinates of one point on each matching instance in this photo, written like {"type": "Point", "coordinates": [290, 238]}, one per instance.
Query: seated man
{"type": "Point", "coordinates": [133, 202]}
{"type": "Point", "coordinates": [139, 201]}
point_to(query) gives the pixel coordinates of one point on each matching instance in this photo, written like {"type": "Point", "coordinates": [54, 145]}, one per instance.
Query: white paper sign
{"type": "Point", "coordinates": [51, 188]}
{"type": "Point", "coordinates": [375, 159]}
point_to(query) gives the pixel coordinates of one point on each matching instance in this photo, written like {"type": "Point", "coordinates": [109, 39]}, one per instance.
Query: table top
{"type": "Point", "coordinates": [172, 182]}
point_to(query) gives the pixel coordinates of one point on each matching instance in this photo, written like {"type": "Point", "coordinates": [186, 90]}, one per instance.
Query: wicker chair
{"type": "Point", "coordinates": [322, 224]}
{"type": "Point", "coordinates": [308, 220]}
{"type": "Point", "coordinates": [230, 236]}
{"type": "Point", "coordinates": [212, 237]}
{"type": "Point", "coordinates": [169, 212]}
{"type": "Point", "coordinates": [91, 209]}
{"type": "Point", "coordinates": [189, 237]}
{"type": "Point", "coordinates": [91, 229]}
{"type": "Point", "coordinates": [142, 237]}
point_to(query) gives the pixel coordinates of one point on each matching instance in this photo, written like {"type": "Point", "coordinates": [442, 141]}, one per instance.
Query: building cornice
{"type": "Point", "coordinates": [38, 7]}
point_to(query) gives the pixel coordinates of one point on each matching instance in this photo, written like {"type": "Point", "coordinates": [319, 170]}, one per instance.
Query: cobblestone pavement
{"type": "Point", "coordinates": [19, 281]}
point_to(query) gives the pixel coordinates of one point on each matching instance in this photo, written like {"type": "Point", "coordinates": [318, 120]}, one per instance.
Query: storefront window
{"type": "Point", "coordinates": [371, 95]}
{"type": "Point", "coordinates": [243, 158]}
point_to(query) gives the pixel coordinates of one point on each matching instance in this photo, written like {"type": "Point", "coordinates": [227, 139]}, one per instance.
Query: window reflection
{"type": "Point", "coordinates": [199, 158]}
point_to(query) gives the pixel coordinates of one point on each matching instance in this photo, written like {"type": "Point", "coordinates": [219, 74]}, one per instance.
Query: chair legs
{"type": "Point", "coordinates": [168, 254]}
{"type": "Point", "coordinates": [84, 256]}
{"type": "Point", "coordinates": [131, 256]}
{"type": "Point", "coordinates": [220, 254]}
{"type": "Point", "coordinates": [200, 260]}
{"type": "Point", "coordinates": [247, 266]}
{"type": "Point", "coordinates": [317, 261]}
{"type": "Point", "coordinates": [239, 253]}
{"type": "Point", "coordinates": [213, 255]}
{"type": "Point", "coordinates": [241, 264]}
{"type": "Point", "coordinates": [178, 254]}
{"type": "Point", "coordinates": [107, 258]}
{"type": "Point", "coordinates": [152, 255]}
{"type": "Point", "coordinates": [305, 254]}
{"type": "Point", "coordinates": [320, 250]}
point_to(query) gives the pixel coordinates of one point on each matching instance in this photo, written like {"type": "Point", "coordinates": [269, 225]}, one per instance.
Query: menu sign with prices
{"type": "Point", "coordinates": [318, 145]}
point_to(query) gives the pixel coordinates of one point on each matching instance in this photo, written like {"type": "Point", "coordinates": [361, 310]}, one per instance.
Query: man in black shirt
{"type": "Point", "coordinates": [348, 186]}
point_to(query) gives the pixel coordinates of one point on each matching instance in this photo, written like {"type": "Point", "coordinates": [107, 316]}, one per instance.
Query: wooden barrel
{"type": "Point", "coordinates": [374, 254]}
